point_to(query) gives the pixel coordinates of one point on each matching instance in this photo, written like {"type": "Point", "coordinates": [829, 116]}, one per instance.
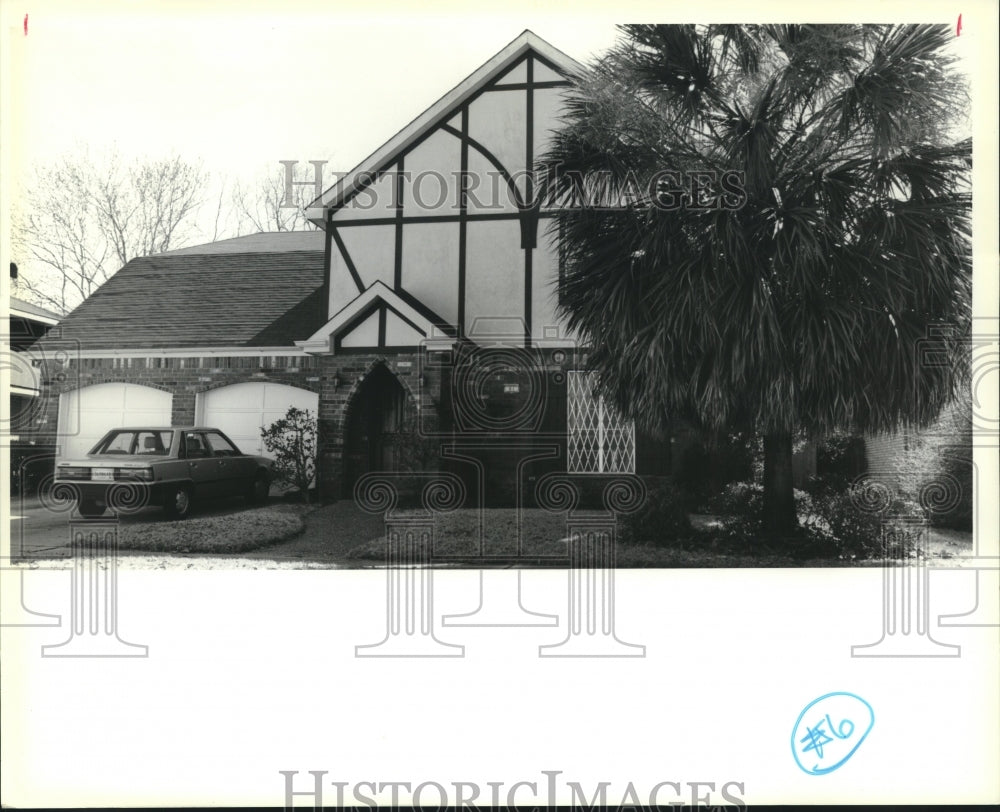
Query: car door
{"type": "Point", "coordinates": [236, 469]}
{"type": "Point", "coordinates": [203, 468]}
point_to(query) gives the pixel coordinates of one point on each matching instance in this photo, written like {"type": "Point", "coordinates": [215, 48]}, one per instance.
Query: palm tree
{"type": "Point", "coordinates": [790, 290]}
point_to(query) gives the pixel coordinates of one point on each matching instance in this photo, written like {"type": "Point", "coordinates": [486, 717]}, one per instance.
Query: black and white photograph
{"type": "Point", "coordinates": [501, 408]}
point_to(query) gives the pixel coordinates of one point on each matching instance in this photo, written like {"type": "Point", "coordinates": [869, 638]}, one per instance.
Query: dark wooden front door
{"type": "Point", "coordinates": [374, 420]}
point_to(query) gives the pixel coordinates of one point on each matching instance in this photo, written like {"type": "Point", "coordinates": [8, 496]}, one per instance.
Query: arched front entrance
{"type": "Point", "coordinates": [375, 419]}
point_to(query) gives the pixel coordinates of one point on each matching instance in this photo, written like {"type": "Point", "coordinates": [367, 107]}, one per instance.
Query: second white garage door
{"type": "Point", "coordinates": [243, 409]}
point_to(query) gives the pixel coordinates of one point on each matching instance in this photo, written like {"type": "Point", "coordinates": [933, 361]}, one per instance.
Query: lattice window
{"type": "Point", "coordinates": [599, 440]}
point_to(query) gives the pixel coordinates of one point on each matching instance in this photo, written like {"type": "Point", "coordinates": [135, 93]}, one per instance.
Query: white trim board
{"type": "Point", "coordinates": [194, 352]}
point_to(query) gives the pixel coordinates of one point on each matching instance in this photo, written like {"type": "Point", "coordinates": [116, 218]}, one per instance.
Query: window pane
{"type": "Point", "coordinates": [219, 445]}
{"type": "Point", "coordinates": [194, 447]}
{"type": "Point", "coordinates": [118, 443]}
{"type": "Point", "coordinates": [155, 443]}
{"type": "Point", "coordinates": [598, 440]}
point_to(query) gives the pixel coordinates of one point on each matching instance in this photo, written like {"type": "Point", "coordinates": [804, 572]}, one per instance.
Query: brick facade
{"type": "Point", "coordinates": [334, 378]}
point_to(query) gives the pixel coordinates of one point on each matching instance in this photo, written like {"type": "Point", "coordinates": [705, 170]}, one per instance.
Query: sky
{"type": "Point", "coordinates": [246, 88]}
{"type": "Point", "coordinates": [249, 89]}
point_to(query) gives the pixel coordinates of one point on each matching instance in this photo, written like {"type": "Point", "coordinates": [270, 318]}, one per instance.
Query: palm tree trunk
{"type": "Point", "coordinates": [779, 498]}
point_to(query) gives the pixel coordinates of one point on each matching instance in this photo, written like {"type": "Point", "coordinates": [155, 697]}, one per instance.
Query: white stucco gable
{"type": "Point", "coordinates": [378, 317]}
{"type": "Point", "coordinates": [446, 213]}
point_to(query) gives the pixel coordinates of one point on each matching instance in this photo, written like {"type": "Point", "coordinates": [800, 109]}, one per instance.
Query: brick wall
{"type": "Point", "coordinates": [334, 378]}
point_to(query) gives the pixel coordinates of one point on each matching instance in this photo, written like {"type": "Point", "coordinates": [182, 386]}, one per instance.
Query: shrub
{"type": "Point", "coordinates": [292, 440]}
{"type": "Point", "coordinates": [840, 459]}
{"type": "Point", "coordinates": [747, 499]}
{"type": "Point", "coordinates": [832, 525]}
{"type": "Point", "coordinates": [857, 533]}
{"type": "Point", "coordinates": [661, 521]}
{"type": "Point", "coordinates": [736, 499]}
{"type": "Point", "coordinates": [745, 534]}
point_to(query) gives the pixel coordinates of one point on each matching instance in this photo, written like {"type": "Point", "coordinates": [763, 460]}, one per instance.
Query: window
{"type": "Point", "coordinates": [153, 443]}
{"type": "Point", "coordinates": [220, 446]}
{"type": "Point", "coordinates": [194, 446]}
{"type": "Point", "coordinates": [146, 443]}
{"type": "Point", "coordinates": [598, 439]}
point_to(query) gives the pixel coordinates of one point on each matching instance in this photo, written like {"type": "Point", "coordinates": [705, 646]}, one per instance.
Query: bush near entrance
{"type": "Point", "coordinates": [292, 441]}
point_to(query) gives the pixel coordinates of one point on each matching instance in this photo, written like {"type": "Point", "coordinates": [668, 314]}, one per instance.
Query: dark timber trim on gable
{"type": "Point", "coordinates": [463, 219]}
{"type": "Point", "coordinates": [383, 309]}
{"type": "Point", "coordinates": [528, 214]}
{"type": "Point", "coordinates": [489, 156]}
{"type": "Point", "coordinates": [324, 303]}
{"type": "Point", "coordinates": [449, 114]}
{"type": "Point", "coordinates": [524, 86]}
{"type": "Point", "coordinates": [352, 269]}
{"type": "Point", "coordinates": [397, 274]}
{"type": "Point", "coordinates": [528, 240]}
{"type": "Point", "coordinates": [441, 218]}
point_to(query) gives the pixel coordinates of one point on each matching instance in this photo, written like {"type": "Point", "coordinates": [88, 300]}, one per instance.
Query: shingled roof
{"type": "Point", "coordinates": [263, 290]}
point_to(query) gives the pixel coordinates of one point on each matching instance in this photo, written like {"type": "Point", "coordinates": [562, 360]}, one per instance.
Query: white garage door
{"type": "Point", "coordinates": [243, 409]}
{"type": "Point", "coordinates": [87, 414]}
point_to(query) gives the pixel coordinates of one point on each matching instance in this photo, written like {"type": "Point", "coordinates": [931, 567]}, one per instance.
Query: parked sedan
{"type": "Point", "coordinates": [172, 467]}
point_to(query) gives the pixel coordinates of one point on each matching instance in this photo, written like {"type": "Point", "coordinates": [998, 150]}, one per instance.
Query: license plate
{"type": "Point", "coordinates": [103, 475]}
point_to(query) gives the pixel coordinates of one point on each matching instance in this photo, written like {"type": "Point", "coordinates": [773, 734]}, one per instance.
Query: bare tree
{"type": "Point", "coordinates": [267, 203]}
{"type": "Point", "coordinates": [82, 219]}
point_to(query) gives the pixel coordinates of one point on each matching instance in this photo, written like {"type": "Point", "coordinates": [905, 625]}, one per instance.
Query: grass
{"type": "Point", "coordinates": [456, 535]}
{"type": "Point", "coordinates": [331, 532]}
{"type": "Point", "coordinates": [233, 533]}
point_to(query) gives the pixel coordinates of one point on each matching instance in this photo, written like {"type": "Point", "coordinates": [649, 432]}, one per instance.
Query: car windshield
{"type": "Point", "coordinates": [141, 443]}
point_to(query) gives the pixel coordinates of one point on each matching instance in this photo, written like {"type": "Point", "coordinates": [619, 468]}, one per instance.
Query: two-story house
{"type": "Point", "coordinates": [420, 323]}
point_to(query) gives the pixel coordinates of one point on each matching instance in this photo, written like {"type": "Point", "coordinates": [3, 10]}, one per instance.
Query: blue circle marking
{"type": "Point", "coordinates": [832, 733]}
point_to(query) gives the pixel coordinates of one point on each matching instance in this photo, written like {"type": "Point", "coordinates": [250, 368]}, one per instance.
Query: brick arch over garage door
{"type": "Point", "coordinates": [87, 414]}
{"type": "Point", "coordinates": [242, 409]}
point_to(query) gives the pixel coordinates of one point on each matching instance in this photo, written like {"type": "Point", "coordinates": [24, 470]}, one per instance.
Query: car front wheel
{"type": "Point", "coordinates": [259, 490]}
{"type": "Point", "coordinates": [177, 502]}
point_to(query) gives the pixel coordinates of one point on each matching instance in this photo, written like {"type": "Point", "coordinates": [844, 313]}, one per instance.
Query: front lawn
{"type": "Point", "coordinates": [232, 533]}
{"type": "Point", "coordinates": [457, 534]}
{"type": "Point", "coordinates": [542, 534]}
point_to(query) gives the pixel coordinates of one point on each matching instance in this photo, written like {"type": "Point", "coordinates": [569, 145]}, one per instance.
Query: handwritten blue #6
{"type": "Point", "coordinates": [829, 731]}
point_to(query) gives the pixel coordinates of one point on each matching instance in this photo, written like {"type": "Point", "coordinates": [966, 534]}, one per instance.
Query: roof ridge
{"type": "Point", "coordinates": [228, 245]}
